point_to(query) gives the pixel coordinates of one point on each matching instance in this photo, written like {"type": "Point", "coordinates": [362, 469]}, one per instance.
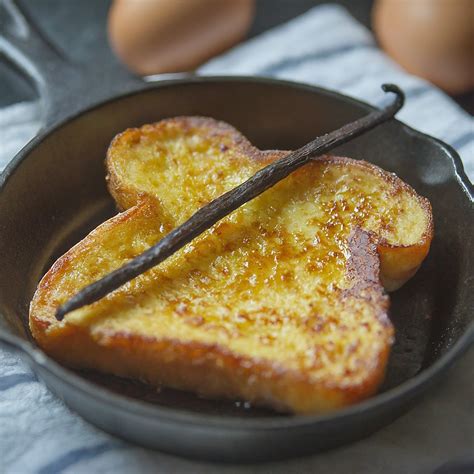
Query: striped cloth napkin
{"type": "Point", "coordinates": [327, 47]}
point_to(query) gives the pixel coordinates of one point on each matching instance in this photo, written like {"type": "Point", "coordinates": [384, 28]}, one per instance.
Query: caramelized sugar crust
{"type": "Point", "coordinates": [279, 303]}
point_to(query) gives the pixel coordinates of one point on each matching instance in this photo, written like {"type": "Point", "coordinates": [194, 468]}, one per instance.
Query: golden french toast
{"type": "Point", "coordinates": [281, 303]}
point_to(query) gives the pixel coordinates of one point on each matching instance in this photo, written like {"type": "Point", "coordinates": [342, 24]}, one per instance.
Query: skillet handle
{"type": "Point", "coordinates": [65, 88]}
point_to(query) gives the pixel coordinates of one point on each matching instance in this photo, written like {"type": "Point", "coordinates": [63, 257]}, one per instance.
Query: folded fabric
{"type": "Point", "coordinates": [19, 123]}
{"type": "Point", "coordinates": [325, 47]}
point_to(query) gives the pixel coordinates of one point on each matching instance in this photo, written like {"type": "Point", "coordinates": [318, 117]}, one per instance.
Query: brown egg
{"type": "Point", "coordinates": [433, 39]}
{"type": "Point", "coordinates": [157, 36]}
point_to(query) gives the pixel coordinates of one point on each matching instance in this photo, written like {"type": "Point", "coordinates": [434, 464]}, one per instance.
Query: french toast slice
{"type": "Point", "coordinates": [280, 303]}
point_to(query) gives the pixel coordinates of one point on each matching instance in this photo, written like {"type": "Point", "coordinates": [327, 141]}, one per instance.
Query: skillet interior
{"type": "Point", "coordinates": [58, 194]}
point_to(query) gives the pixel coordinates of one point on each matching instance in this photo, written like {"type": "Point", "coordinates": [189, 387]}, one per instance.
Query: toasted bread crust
{"type": "Point", "coordinates": [208, 370]}
{"type": "Point", "coordinates": [212, 370]}
{"type": "Point", "coordinates": [399, 262]}
{"type": "Point", "coordinates": [205, 357]}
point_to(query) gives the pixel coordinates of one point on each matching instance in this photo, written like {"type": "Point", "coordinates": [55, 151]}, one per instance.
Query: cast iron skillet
{"type": "Point", "coordinates": [54, 192]}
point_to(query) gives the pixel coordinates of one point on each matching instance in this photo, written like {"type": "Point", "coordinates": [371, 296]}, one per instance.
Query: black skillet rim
{"type": "Point", "coordinates": [407, 389]}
